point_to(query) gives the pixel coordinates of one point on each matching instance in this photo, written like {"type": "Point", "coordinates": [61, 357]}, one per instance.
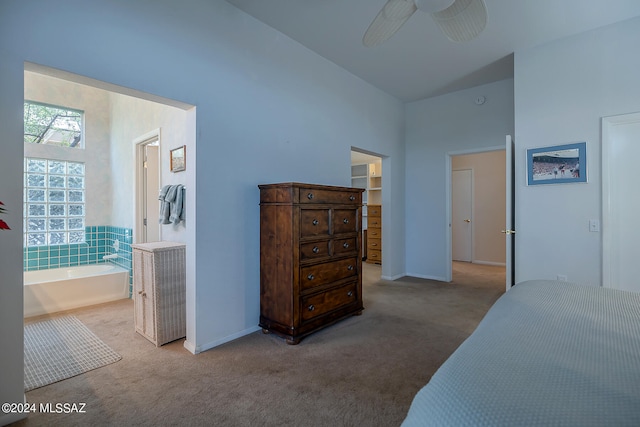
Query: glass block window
{"type": "Point", "coordinates": [52, 125]}
{"type": "Point", "coordinates": [54, 202]}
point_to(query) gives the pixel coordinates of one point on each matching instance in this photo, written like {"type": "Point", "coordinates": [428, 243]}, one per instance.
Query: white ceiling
{"type": "Point", "coordinates": [419, 61]}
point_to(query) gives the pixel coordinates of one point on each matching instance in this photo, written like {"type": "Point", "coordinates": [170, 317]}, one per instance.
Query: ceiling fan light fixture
{"type": "Point", "coordinates": [431, 6]}
{"type": "Point", "coordinates": [464, 20]}
{"type": "Point", "coordinates": [389, 20]}
{"type": "Point", "coordinates": [398, 9]}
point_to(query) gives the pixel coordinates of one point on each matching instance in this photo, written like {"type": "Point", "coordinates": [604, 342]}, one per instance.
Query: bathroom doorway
{"type": "Point", "coordinates": [147, 187]}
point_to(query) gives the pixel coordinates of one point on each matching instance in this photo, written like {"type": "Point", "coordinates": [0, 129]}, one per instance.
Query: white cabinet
{"type": "Point", "coordinates": [369, 177]}
{"type": "Point", "coordinates": [159, 291]}
{"type": "Point", "coordinates": [374, 185]}
{"type": "Point", "coordinates": [360, 179]}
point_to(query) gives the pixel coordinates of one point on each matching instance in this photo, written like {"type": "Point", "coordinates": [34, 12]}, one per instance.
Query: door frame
{"type": "Point", "coordinates": [387, 207]}
{"type": "Point", "coordinates": [607, 218]}
{"type": "Point", "coordinates": [510, 213]}
{"type": "Point", "coordinates": [138, 200]}
{"type": "Point", "coordinates": [448, 218]}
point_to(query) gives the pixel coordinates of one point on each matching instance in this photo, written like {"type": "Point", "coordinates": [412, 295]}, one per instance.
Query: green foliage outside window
{"type": "Point", "coordinates": [46, 124]}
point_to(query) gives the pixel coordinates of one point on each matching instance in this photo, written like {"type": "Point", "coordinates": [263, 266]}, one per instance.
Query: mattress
{"type": "Point", "coordinates": [547, 353]}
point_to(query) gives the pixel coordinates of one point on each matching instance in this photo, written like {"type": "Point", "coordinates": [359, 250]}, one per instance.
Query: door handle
{"type": "Point", "coordinates": [467, 220]}
{"type": "Point", "coordinates": [508, 231]}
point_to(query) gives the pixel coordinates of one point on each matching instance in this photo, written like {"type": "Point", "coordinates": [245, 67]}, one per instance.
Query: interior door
{"type": "Point", "coordinates": [620, 181]}
{"type": "Point", "coordinates": [461, 215]}
{"type": "Point", "coordinates": [509, 230]}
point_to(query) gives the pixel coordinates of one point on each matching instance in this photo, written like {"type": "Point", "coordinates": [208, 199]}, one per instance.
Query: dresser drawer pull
{"type": "Point", "coordinates": [374, 244]}
{"type": "Point", "coordinates": [345, 245]}
{"type": "Point", "coordinates": [346, 221]}
{"type": "Point", "coordinates": [314, 222]}
{"type": "Point", "coordinates": [352, 197]}
{"type": "Point", "coordinates": [316, 249]}
{"type": "Point", "coordinates": [311, 307]}
{"type": "Point", "coordinates": [350, 267]}
{"type": "Point", "coordinates": [311, 277]}
{"type": "Point", "coordinates": [310, 196]}
{"type": "Point", "coordinates": [350, 293]}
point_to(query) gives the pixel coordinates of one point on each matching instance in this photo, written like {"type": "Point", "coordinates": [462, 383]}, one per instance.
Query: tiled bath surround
{"type": "Point", "coordinates": [99, 241]}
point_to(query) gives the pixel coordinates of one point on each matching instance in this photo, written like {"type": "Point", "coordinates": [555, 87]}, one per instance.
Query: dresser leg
{"type": "Point", "coordinates": [265, 331]}
{"type": "Point", "coordinates": [292, 341]}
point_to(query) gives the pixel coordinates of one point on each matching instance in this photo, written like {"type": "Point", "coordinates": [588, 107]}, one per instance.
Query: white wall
{"type": "Point", "coordinates": [96, 156]}
{"type": "Point", "coordinates": [132, 118]}
{"type": "Point", "coordinates": [450, 123]}
{"type": "Point", "coordinates": [562, 90]}
{"type": "Point", "coordinates": [489, 206]}
{"type": "Point", "coordinates": [268, 110]}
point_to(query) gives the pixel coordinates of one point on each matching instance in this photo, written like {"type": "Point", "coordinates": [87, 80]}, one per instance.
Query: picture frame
{"type": "Point", "coordinates": [558, 164]}
{"type": "Point", "coordinates": [178, 159]}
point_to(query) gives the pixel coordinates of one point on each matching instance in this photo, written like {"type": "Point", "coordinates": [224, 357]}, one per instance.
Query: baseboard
{"type": "Point", "coordinates": [396, 277]}
{"type": "Point", "coordinates": [6, 419]}
{"type": "Point", "coordinates": [189, 346]}
{"type": "Point", "coordinates": [497, 264]}
{"type": "Point", "coordinates": [199, 349]}
{"type": "Point", "coordinates": [422, 276]}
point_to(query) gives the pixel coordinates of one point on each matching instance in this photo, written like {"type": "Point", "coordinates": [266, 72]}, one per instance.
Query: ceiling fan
{"type": "Point", "coordinates": [459, 20]}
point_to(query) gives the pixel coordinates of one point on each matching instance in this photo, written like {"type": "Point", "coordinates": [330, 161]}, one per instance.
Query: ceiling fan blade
{"type": "Point", "coordinates": [389, 20]}
{"type": "Point", "coordinates": [464, 20]}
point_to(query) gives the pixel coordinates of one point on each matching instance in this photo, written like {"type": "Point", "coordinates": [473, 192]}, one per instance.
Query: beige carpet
{"type": "Point", "coordinates": [61, 348]}
{"type": "Point", "coordinates": [363, 371]}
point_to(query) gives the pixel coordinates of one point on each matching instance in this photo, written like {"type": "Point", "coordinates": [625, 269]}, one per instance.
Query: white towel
{"type": "Point", "coordinates": [164, 205]}
{"type": "Point", "coordinates": [176, 205]}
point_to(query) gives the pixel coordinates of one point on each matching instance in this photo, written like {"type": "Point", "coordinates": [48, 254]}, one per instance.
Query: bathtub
{"type": "Point", "coordinates": [48, 291]}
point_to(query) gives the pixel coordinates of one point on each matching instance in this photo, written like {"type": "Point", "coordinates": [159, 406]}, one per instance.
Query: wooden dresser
{"type": "Point", "coordinates": [374, 234]}
{"type": "Point", "coordinates": [310, 264]}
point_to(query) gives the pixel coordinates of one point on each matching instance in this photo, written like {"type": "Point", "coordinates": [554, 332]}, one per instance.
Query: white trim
{"type": "Point", "coordinates": [189, 346]}
{"type": "Point", "coordinates": [448, 247]}
{"type": "Point", "coordinates": [6, 419]}
{"type": "Point", "coordinates": [607, 254]}
{"type": "Point", "coordinates": [391, 278]}
{"type": "Point", "coordinates": [447, 189]}
{"type": "Point", "coordinates": [199, 349]}
{"type": "Point", "coordinates": [422, 276]}
{"type": "Point", "coordinates": [138, 155]}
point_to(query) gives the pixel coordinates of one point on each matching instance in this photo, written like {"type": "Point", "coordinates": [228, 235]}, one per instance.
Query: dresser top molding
{"type": "Point", "coordinates": [294, 193]}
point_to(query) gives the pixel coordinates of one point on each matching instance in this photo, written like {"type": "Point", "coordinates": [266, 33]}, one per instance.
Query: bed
{"type": "Point", "coordinates": [547, 353]}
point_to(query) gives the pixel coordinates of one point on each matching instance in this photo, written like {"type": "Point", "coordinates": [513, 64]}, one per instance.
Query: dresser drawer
{"type": "Point", "coordinates": [322, 303]}
{"type": "Point", "coordinates": [320, 274]}
{"type": "Point", "coordinates": [344, 246]}
{"type": "Point", "coordinates": [375, 222]}
{"type": "Point", "coordinates": [345, 221]}
{"type": "Point", "coordinates": [374, 243]}
{"type": "Point", "coordinates": [373, 233]}
{"type": "Point", "coordinates": [318, 196]}
{"type": "Point", "coordinates": [374, 255]}
{"type": "Point", "coordinates": [314, 222]}
{"type": "Point", "coordinates": [312, 250]}
{"type": "Point", "coordinates": [374, 211]}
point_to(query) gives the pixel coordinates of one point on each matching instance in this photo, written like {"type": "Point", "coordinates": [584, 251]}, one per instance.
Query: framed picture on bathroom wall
{"type": "Point", "coordinates": [179, 159]}
{"type": "Point", "coordinates": [558, 164]}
